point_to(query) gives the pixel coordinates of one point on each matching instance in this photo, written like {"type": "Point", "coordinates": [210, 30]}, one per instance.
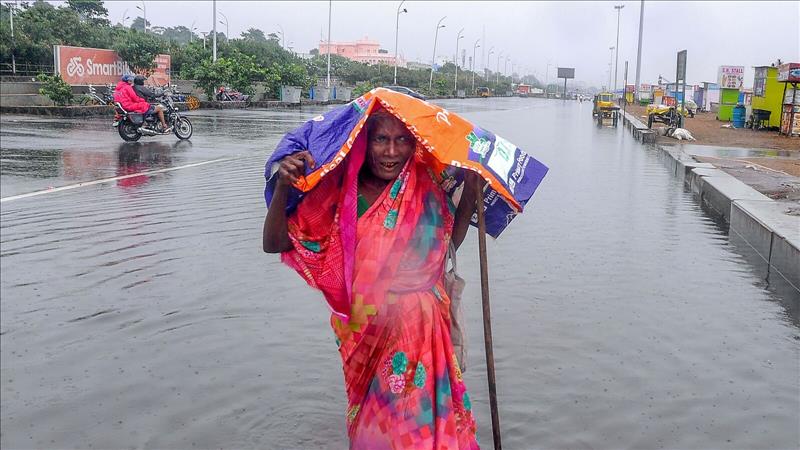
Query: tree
{"type": "Point", "coordinates": [138, 24]}
{"type": "Point", "coordinates": [255, 35]}
{"type": "Point", "coordinates": [139, 50]}
{"type": "Point", "coordinates": [314, 52]}
{"type": "Point", "coordinates": [92, 10]}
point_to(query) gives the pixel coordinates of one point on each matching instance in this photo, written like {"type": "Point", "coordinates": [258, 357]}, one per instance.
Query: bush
{"type": "Point", "coordinates": [362, 88]}
{"type": "Point", "coordinates": [55, 88]}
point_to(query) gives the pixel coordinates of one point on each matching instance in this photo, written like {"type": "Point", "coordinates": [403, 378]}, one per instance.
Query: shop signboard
{"type": "Point", "coordinates": [84, 66]}
{"type": "Point", "coordinates": [731, 77]}
{"type": "Point", "coordinates": [789, 72]}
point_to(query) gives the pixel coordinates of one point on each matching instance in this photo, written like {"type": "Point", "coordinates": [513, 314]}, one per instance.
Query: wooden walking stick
{"type": "Point", "coordinates": [487, 319]}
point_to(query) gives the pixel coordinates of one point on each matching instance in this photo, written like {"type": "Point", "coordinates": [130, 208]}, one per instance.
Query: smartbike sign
{"type": "Point", "coordinates": [84, 66]}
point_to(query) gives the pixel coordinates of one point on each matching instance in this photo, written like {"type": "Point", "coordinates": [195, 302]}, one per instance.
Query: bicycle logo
{"type": "Point", "coordinates": [75, 67]}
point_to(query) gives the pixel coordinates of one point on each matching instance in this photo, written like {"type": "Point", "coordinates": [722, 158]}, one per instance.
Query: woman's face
{"type": "Point", "coordinates": [389, 145]}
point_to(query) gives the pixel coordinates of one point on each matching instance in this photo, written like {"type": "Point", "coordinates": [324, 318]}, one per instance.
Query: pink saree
{"type": "Point", "coordinates": [382, 276]}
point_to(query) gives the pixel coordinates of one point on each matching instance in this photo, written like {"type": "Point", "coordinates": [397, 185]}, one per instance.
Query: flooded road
{"type": "Point", "coordinates": [141, 312]}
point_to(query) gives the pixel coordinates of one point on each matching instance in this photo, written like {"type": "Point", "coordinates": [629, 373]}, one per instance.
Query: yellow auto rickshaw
{"type": "Point", "coordinates": [604, 108]}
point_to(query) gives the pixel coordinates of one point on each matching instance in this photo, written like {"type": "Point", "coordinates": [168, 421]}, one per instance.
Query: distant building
{"type": "Point", "coordinates": [364, 50]}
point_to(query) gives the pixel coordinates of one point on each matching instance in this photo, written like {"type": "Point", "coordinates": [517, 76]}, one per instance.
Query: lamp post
{"type": "Point", "coordinates": [191, 31]}
{"type": "Point", "coordinates": [474, 48]}
{"type": "Point", "coordinates": [214, 24]}
{"type": "Point", "coordinates": [455, 85]}
{"type": "Point", "coordinates": [433, 58]}
{"type": "Point", "coordinates": [330, 7]}
{"type": "Point", "coordinates": [547, 86]}
{"type": "Point", "coordinates": [227, 27]}
{"type": "Point", "coordinates": [499, 57]}
{"type": "Point", "coordinates": [143, 8]}
{"type": "Point", "coordinates": [609, 66]}
{"type": "Point", "coordinates": [616, 63]}
{"type": "Point", "coordinates": [396, 34]}
{"type": "Point", "coordinates": [488, 58]}
{"type": "Point", "coordinates": [204, 33]}
{"type": "Point", "coordinates": [639, 49]}
{"type": "Point", "coordinates": [13, 42]}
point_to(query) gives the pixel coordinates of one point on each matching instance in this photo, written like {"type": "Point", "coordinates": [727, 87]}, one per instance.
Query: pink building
{"type": "Point", "coordinates": [363, 50]}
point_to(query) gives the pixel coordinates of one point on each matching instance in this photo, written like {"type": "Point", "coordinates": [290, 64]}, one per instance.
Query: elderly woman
{"type": "Point", "coordinates": [375, 232]}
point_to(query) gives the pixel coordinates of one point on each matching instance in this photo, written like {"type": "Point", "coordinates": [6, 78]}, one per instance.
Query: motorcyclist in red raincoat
{"type": "Point", "coordinates": [126, 96]}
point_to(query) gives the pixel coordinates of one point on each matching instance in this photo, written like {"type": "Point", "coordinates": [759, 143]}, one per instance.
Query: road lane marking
{"type": "Point", "coordinates": [108, 180]}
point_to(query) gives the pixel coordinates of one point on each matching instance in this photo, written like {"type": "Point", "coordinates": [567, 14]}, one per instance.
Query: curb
{"type": "Point", "coordinates": [59, 111]}
{"type": "Point", "coordinates": [759, 227]}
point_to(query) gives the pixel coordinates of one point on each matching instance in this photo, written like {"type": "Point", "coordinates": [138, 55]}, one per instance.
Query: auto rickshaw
{"type": "Point", "coordinates": [604, 108]}
{"type": "Point", "coordinates": [483, 92]}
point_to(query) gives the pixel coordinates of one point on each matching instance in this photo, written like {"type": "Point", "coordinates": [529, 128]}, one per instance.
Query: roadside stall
{"type": "Point", "coordinates": [731, 79]}
{"type": "Point", "coordinates": [767, 99]}
{"type": "Point", "coordinates": [789, 75]}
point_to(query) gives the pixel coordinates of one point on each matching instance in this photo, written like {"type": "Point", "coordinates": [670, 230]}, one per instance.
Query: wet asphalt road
{"type": "Point", "coordinates": [141, 313]}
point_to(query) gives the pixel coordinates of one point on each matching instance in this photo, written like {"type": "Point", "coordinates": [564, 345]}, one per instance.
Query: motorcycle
{"type": "Point", "coordinates": [132, 126]}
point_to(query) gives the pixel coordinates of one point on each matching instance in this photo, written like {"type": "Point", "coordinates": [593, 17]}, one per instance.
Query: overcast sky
{"type": "Point", "coordinates": [569, 34]}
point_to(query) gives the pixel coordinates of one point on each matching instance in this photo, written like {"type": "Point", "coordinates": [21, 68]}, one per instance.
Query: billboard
{"type": "Point", "coordinates": [789, 72]}
{"type": "Point", "coordinates": [730, 77]}
{"type": "Point", "coordinates": [566, 72]}
{"type": "Point", "coordinates": [83, 66]}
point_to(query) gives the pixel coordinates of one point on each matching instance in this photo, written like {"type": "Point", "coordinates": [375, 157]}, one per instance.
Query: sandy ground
{"type": "Point", "coordinates": [774, 175]}
{"type": "Point", "coordinates": [709, 131]}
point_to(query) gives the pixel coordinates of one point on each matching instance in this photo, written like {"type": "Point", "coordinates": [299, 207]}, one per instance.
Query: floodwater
{"type": "Point", "coordinates": [141, 312]}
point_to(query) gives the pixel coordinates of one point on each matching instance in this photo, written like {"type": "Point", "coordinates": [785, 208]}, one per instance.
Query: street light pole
{"type": "Point", "coordinates": [546, 86]}
{"type": "Point", "coordinates": [214, 24]}
{"type": "Point", "coordinates": [13, 42]}
{"type": "Point", "coordinates": [144, 11]}
{"type": "Point", "coordinates": [486, 63]}
{"type": "Point", "coordinates": [283, 36]}
{"type": "Point", "coordinates": [497, 82]}
{"type": "Point", "coordinates": [433, 58]}
{"type": "Point", "coordinates": [639, 50]}
{"type": "Point", "coordinates": [455, 85]}
{"type": "Point", "coordinates": [191, 31]}
{"type": "Point", "coordinates": [204, 33]}
{"type": "Point", "coordinates": [616, 64]}
{"type": "Point", "coordinates": [330, 7]}
{"type": "Point", "coordinates": [396, 34]}
{"type": "Point", "coordinates": [227, 27]}
{"type": "Point", "coordinates": [474, 48]}
{"type": "Point", "coordinates": [609, 66]}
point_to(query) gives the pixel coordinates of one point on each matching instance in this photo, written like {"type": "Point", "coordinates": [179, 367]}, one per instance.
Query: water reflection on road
{"type": "Point", "coordinates": [142, 313]}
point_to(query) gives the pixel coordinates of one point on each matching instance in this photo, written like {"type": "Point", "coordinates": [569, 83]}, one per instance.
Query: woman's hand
{"type": "Point", "coordinates": [292, 167]}
{"type": "Point", "coordinates": [275, 236]}
{"type": "Point", "coordinates": [473, 185]}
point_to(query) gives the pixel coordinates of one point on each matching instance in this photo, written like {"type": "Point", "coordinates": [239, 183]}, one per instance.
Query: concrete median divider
{"type": "Point", "coordinates": [639, 130]}
{"type": "Point", "coordinates": [765, 231]}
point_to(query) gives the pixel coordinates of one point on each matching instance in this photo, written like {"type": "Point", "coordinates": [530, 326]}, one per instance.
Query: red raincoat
{"type": "Point", "coordinates": [126, 96]}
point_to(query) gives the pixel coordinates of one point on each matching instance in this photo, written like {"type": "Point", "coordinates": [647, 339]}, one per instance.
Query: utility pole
{"type": "Point", "coordinates": [214, 22]}
{"type": "Point", "coordinates": [455, 85]}
{"type": "Point", "coordinates": [396, 34]}
{"type": "Point", "coordinates": [616, 63]}
{"type": "Point", "coordinates": [13, 41]}
{"type": "Point", "coordinates": [433, 58]}
{"type": "Point", "coordinates": [330, 6]}
{"type": "Point", "coordinates": [497, 82]}
{"type": "Point", "coordinates": [474, 47]}
{"type": "Point", "coordinates": [639, 50]}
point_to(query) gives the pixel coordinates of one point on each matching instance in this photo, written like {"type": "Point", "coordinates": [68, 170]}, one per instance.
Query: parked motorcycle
{"type": "Point", "coordinates": [132, 126]}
